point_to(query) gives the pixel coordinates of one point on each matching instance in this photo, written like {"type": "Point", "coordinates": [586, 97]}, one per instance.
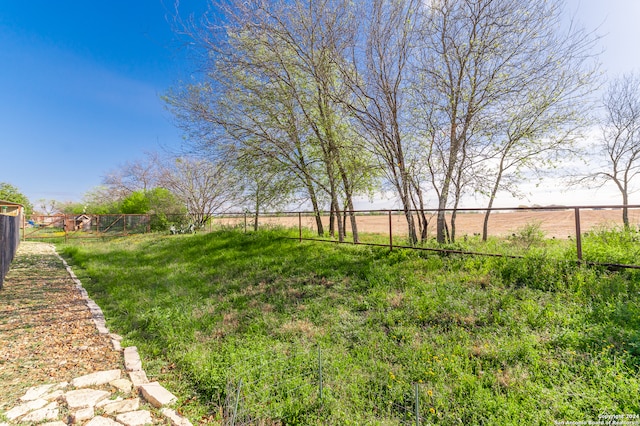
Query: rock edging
{"type": "Point", "coordinates": [97, 398]}
{"type": "Point", "coordinates": [100, 398]}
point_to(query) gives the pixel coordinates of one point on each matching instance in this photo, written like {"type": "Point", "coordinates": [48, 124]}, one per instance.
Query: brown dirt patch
{"type": "Point", "coordinates": [46, 331]}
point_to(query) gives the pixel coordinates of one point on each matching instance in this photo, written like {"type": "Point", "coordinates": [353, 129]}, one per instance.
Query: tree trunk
{"type": "Point", "coordinates": [625, 210]}
{"type": "Point", "coordinates": [492, 197]}
{"type": "Point", "coordinates": [441, 224]}
{"type": "Point", "coordinates": [441, 220]}
{"type": "Point", "coordinates": [335, 207]}
{"type": "Point", "coordinates": [256, 207]}
{"type": "Point", "coordinates": [332, 221]}
{"type": "Point", "coordinates": [349, 198]}
{"type": "Point", "coordinates": [423, 222]}
{"type": "Point", "coordinates": [454, 214]}
{"type": "Point", "coordinates": [314, 204]}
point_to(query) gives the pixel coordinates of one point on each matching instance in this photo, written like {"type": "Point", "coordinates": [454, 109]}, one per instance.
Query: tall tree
{"type": "Point", "coordinates": [276, 85]}
{"type": "Point", "coordinates": [377, 78]}
{"type": "Point", "coordinates": [484, 59]}
{"type": "Point", "coordinates": [620, 142]}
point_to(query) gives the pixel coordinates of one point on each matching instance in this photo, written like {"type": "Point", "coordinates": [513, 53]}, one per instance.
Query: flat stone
{"type": "Point", "coordinates": [122, 406]}
{"type": "Point", "coordinates": [53, 395]}
{"type": "Point", "coordinates": [123, 385]}
{"type": "Point", "coordinates": [23, 409]}
{"type": "Point", "coordinates": [36, 392]}
{"type": "Point", "coordinates": [101, 326]}
{"type": "Point", "coordinates": [82, 415]}
{"type": "Point", "coordinates": [132, 360]}
{"type": "Point", "coordinates": [96, 379]}
{"type": "Point", "coordinates": [83, 398]}
{"type": "Point", "coordinates": [107, 401]}
{"type": "Point", "coordinates": [102, 421]}
{"type": "Point", "coordinates": [115, 337]}
{"type": "Point", "coordinates": [58, 423]}
{"type": "Point", "coordinates": [50, 412]}
{"type": "Point", "coordinates": [138, 378]}
{"type": "Point", "coordinates": [116, 345]}
{"type": "Point", "coordinates": [135, 418]}
{"type": "Point", "coordinates": [175, 418]}
{"type": "Point", "coordinates": [156, 395]}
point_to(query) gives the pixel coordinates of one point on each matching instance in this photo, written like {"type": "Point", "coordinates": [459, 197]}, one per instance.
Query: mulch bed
{"type": "Point", "coordinates": [46, 331]}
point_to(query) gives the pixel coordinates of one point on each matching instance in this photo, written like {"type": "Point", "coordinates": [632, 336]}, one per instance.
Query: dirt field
{"type": "Point", "coordinates": [554, 223]}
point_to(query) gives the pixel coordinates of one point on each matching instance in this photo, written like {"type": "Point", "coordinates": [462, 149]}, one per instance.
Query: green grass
{"type": "Point", "coordinates": [486, 340]}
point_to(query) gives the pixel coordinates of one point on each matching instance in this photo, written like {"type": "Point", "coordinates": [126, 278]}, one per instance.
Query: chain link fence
{"type": "Point", "coordinates": [64, 227]}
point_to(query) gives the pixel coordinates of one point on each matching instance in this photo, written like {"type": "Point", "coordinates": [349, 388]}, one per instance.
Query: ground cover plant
{"type": "Point", "coordinates": [256, 327]}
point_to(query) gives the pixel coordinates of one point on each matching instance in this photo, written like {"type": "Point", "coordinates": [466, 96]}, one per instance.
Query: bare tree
{"type": "Point", "coordinates": [494, 61]}
{"type": "Point", "coordinates": [133, 176]}
{"type": "Point", "coordinates": [49, 207]}
{"type": "Point", "coordinates": [377, 78]}
{"type": "Point", "coordinates": [620, 143]}
{"type": "Point", "coordinates": [203, 186]}
{"type": "Point", "coordinates": [276, 85]}
{"type": "Point", "coordinates": [440, 90]}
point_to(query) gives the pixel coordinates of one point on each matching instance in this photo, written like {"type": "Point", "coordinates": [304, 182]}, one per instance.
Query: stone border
{"type": "Point", "coordinates": [95, 399]}
{"type": "Point", "coordinates": [153, 392]}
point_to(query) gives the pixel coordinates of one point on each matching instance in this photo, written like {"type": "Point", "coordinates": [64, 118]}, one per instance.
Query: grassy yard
{"type": "Point", "coordinates": [244, 327]}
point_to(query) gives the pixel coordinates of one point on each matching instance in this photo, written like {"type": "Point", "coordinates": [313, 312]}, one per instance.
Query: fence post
{"type": "Point", "coordinates": [319, 374]}
{"type": "Point", "coordinates": [578, 233]}
{"type": "Point", "coordinates": [300, 225]}
{"type": "Point", "coordinates": [235, 408]}
{"type": "Point", "coordinates": [390, 232]}
{"type": "Point", "coordinates": [416, 391]}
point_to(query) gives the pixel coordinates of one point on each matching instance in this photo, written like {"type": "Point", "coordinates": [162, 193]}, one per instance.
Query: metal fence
{"type": "Point", "coordinates": [9, 240]}
{"type": "Point", "coordinates": [515, 229]}
{"type": "Point", "coordinates": [61, 226]}
{"type": "Point", "coordinates": [275, 386]}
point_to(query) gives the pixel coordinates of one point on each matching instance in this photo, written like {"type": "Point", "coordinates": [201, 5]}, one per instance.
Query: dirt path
{"type": "Point", "coordinates": [46, 331]}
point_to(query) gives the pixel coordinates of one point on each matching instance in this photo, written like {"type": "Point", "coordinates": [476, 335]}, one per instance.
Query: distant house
{"type": "Point", "coordinates": [83, 222]}
{"type": "Point", "coordinates": [78, 223]}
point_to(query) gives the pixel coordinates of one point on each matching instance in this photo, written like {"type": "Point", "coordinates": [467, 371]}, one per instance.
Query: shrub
{"type": "Point", "coordinates": [528, 236]}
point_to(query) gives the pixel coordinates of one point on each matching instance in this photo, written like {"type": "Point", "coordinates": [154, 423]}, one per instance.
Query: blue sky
{"type": "Point", "coordinates": [80, 83]}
